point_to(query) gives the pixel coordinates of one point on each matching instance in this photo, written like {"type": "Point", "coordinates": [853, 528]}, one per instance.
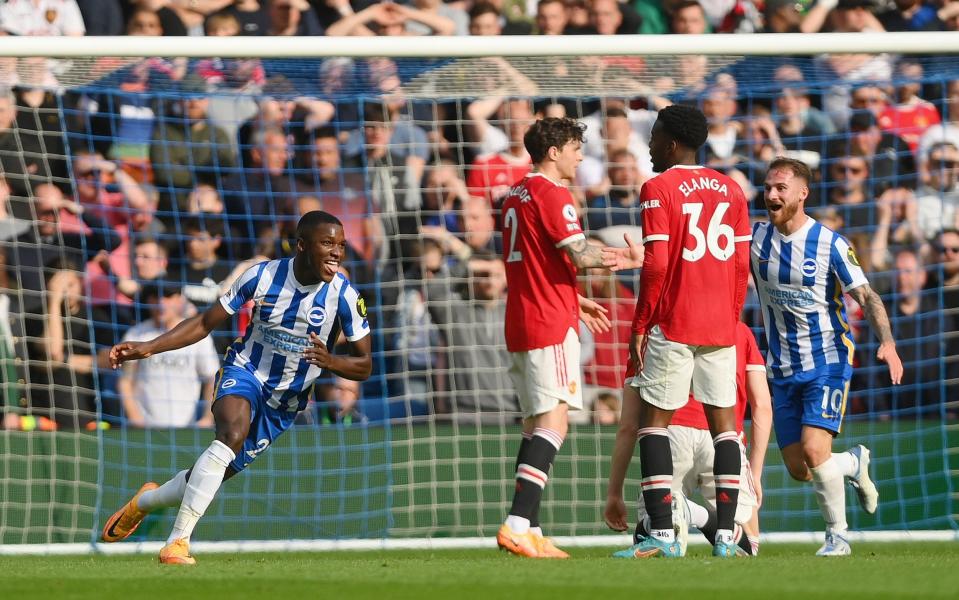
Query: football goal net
{"type": "Point", "coordinates": [140, 175]}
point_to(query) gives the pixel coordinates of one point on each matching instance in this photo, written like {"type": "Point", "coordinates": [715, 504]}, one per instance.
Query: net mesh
{"type": "Point", "coordinates": [125, 177]}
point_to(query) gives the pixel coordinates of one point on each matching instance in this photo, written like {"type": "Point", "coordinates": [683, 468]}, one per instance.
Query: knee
{"type": "Point", "coordinates": [814, 454]}
{"type": "Point", "coordinates": [232, 436]}
{"type": "Point", "coordinates": [799, 472]}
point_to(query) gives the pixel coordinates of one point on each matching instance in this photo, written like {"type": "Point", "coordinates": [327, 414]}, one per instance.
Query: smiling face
{"type": "Point", "coordinates": [323, 250]}
{"type": "Point", "coordinates": [785, 194]}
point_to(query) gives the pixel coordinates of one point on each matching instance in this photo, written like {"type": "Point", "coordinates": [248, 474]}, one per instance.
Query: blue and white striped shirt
{"type": "Point", "coordinates": [801, 279]}
{"type": "Point", "coordinates": [284, 314]}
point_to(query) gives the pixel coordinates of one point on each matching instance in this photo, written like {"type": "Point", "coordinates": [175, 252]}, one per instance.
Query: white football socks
{"type": "Point", "coordinates": [168, 494]}
{"type": "Point", "coordinates": [847, 463]}
{"type": "Point", "coordinates": [519, 525]}
{"type": "Point", "coordinates": [204, 481]}
{"type": "Point", "coordinates": [830, 487]}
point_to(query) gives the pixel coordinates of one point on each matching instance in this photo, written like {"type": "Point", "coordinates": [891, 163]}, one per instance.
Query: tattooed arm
{"type": "Point", "coordinates": [876, 313]}
{"type": "Point", "coordinates": [583, 254]}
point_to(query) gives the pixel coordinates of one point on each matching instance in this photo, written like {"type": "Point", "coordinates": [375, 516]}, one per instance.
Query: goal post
{"type": "Point", "coordinates": [181, 142]}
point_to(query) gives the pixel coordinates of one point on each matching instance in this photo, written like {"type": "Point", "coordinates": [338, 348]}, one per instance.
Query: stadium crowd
{"type": "Point", "coordinates": [135, 197]}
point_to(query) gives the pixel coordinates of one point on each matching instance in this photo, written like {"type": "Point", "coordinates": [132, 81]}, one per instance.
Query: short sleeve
{"type": "Point", "coordinates": [559, 218]}
{"type": "Point", "coordinates": [654, 213]}
{"type": "Point", "coordinates": [351, 311]}
{"type": "Point", "coordinates": [742, 230]}
{"type": "Point", "coordinates": [845, 264]}
{"type": "Point", "coordinates": [754, 358]}
{"type": "Point", "coordinates": [243, 289]}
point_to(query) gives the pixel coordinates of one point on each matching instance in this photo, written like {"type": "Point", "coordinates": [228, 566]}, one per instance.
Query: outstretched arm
{"type": "Point", "coordinates": [583, 254]}
{"type": "Point", "coordinates": [876, 313]}
{"type": "Point", "coordinates": [189, 331]}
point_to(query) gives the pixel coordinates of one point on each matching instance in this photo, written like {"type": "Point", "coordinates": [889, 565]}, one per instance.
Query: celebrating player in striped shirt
{"type": "Point", "coordinates": [801, 270]}
{"type": "Point", "coordinates": [302, 304]}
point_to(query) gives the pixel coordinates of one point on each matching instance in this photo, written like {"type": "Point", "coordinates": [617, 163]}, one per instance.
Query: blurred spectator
{"type": "Point", "coordinates": [393, 180]}
{"type": "Point", "coordinates": [101, 17]}
{"type": "Point", "coordinates": [606, 18]}
{"type": "Point", "coordinates": [947, 131]}
{"type": "Point", "coordinates": [946, 276]}
{"type": "Point", "coordinates": [850, 195]}
{"type": "Point", "coordinates": [911, 115]}
{"type": "Point", "coordinates": [801, 126]}
{"type": "Point", "coordinates": [417, 345]}
{"type": "Point", "coordinates": [21, 153]}
{"type": "Point", "coordinates": [341, 191]}
{"type": "Point", "coordinates": [391, 19]}
{"type": "Point", "coordinates": [492, 174]}
{"type": "Point", "coordinates": [719, 106]}
{"type": "Point", "coordinates": [491, 139]}
{"type": "Point", "coordinates": [890, 162]}
{"type": "Point", "coordinates": [897, 223]}
{"type": "Point", "coordinates": [254, 17]}
{"type": "Point", "coordinates": [187, 148]}
{"type": "Point", "coordinates": [145, 22]}
{"type": "Point", "coordinates": [234, 74]}
{"type": "Point", "coordinates": [292, 17]}
{"type": "Point", "coordinates": [202, 272]}
{"type": "Point", "coordinates": [485, 20]}
{"type": "Point", "coordinates": [294, 116]}
{"type": "Point", "coordinates": [917, 329]}
{"type": "Point", "coordinates": [939, 197]}
{"type": "Point", "coordinates": [103, 187]}
{"type": "Point", "coordinates": [444, 191]}
{"type": "Point", "coordinates": [619, 207]}
{"type": "Point", "coordinates": [911, 15]}
{"type": "Point", "coordinates": [552, 16]}
{"type": "Point", "coordinates": [437, 7]}
{"type": "Point", "coordinates": [479, 233]}
{"type": "Point", "coordinates": [688, 17]}
{"type": "Point", "coordinates": [41, 245]}
{"type": "Point", "coordinates": [60, 350]}
{"type": "Point", "coordinates": [41, 17]}
{"type": "Point", "coordinates": [163, 390]}
{"type": "Point", "coordinates": [260, 197]}
{"type": "Point", "coordinates": [617, 128]}
{"type": "Point", "coordinates": [471, 318]}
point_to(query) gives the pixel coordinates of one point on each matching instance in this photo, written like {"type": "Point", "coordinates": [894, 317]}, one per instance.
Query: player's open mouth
{"type": "Point", "coordinates": [773, 207]}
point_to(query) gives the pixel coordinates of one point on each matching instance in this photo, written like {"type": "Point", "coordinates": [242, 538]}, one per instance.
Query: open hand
{"type": "Point", "coordinates": [594, 316]}
{"type": "Point", "coordinates": [622, 259]}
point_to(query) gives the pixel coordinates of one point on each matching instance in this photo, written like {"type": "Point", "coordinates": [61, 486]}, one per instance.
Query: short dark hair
{"type": "Point", "coordinates": [313, 219]}
{"type": "Point", "coordinates": [481, 8]}
{"type": "Point", "coordinates": [376, 112]}
{"type": "Point", "coordinates": [551, 133]}
{"type": "Point", "coordinates": [203, 222]}
{"type": "Point", "coordinates": [685, 124]}
{"type": "Point", "coordinates": [797, 167]}
{"type": "Point", "coordinates": [323, 132]}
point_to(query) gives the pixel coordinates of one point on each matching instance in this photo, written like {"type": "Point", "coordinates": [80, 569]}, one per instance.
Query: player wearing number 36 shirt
{"type": "Point", "coordinates": [543, 246]}
{"type": "Point", "coordinates": [692, 289]}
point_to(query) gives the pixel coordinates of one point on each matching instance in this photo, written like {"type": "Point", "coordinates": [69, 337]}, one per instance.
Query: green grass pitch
{"type": "Point", "coordinates": [878, 570]}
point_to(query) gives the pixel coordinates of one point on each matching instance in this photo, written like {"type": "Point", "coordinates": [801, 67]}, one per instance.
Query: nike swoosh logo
{"type": "Point", "coordinates": [110, 531]}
